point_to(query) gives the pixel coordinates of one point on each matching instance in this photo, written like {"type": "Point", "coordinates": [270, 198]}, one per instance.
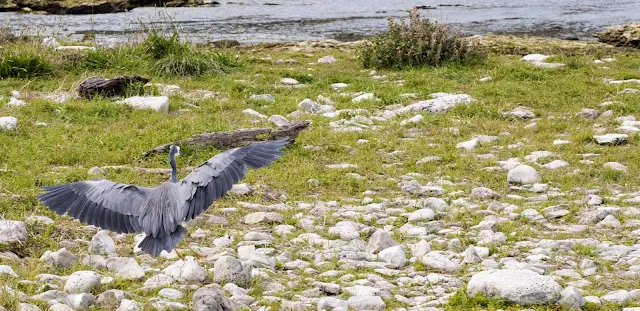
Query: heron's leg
{"type": "Point", "coordinates": [177, 253]}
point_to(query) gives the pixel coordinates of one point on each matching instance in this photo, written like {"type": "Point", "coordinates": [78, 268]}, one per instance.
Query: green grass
{"type": "Point", "coordinates": [85, 133]}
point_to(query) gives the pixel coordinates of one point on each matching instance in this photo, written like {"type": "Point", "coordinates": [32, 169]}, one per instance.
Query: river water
{"type": "Point", "coordinates": [251, 21]}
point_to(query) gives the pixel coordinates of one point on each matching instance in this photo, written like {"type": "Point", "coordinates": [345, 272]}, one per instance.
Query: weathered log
{"type": "Point", "coordinates": [108, 87]}
{"type": "Point", "coordinates": [237, 138]}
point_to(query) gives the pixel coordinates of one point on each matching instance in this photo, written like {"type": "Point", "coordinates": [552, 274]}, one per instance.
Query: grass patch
{"type": "Point", "coordinates": [24, 64]}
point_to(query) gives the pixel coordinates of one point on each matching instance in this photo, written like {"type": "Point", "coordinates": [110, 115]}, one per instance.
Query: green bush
{"type": "Point", "coordinates": [23, 64]}
{"type": "Point", "coordinates": [419, 43]}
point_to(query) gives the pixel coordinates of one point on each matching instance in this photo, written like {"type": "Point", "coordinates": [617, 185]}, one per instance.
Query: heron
{"type": "Point", "coordinates": [159, 212]}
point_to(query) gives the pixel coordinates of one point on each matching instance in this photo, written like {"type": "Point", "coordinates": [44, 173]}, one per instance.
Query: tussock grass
{"type": "Point", "coordinates": [23, 64]}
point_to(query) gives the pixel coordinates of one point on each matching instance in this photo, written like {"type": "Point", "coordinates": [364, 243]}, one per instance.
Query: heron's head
{"type": "Point", "coordinates": [175, 150]}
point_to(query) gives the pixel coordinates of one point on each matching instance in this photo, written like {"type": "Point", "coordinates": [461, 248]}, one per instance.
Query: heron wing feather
{"type": "Point", "coordinates": [100, 203]}
{"type": "Point", "coordinates": [214, 178]}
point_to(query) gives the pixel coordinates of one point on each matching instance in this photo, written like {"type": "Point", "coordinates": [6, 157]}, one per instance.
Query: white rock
{"type": "Point", "coordinates": [615, 166]}
{"type": "Point", "coordinates": [170, 293]}
{"type": "Point", "coordinates": [8, 123]}
{"type": "Point", "coordinates": [380, 240]}
{"type": "Point", "coordinates": [75, 48]}
{"type": "Point", "coordinates": [327, 60]}
{"type": "Point", "coordinates": [424, 214]}
{"type": "Point", "coordinates": [346, 230]}
{"type": "Point", "coordinates": [547, 65]}
{"type": "Point", "coordinates": [82, 282]}
{"type": "Point", "coordinates": [60, 307]}
{"type": "Point", "coordinates": [12, 231]}
{"type": "Point", "coordinates": [611, 139]}
{"type": "Point", "coordinates": [523, 174]}
{"type": "Point", "coordinates": [440, 262]}
{"type": "Point", "coordinates": [558, 142]}
{"type": "Point", "coordinates": [263, 97]}
{"type": "Point", "coordinates": [61, 258]}
{"type": "Point", "coordinates": [341, 166]}
{"type": "Point", "coordinates": [363, 97]}
{"type": "Point", "coordinates": [6, 270]}
{"type": "Point", "coordinates": [521, 112]}
{"type": "Point", "coordinates": [394, 256]}
{"type": "Point", "coordinates": [157, 103]}
{"type": "Point", "coordinates": [534, 58]}
{"type": "Point", "coordinates": [619, 296]}
{"type": "Point", "coordinates": [330, 303]}
{"type": "Point", "coordinates": [308, 105]}
{"type": "Point", "coordinates": [38, 220]}
{"type": "Point", "coordinates": [187, 270]}
{"type": "Point", "coordinates": [484, 193]}
{"type": "Point", "coordinates": [523, 287]}
{"type": "Point", "coordinates": [556, 164]}
{"type": "Point", "coordinates": [263, 217]}
{"type": "Point", "coordinates": [128, 305]}
{"type": "Point", "coordinates": [468, 145]}
{"type": "Point", "coordinates": [413, 120]}
{"type": "Point", "coordinates": [16, 102]}
{"type": "Point", "coordinates": [368, 303]}
{"type": "Point", "coordinates": [228, 269]}
{"type": "Point", "coordinates": [485, 79]}
{"type": "Point", "coordinates": [429, 159]}
{"type": "Point", "coordinates": [571, 297]}
{"type": "Point", "coordinates": [254, 114]}
{"type": "Point", "coordinates": [278, 120]}
{"type": "Point", "coordinates": [338, 86]}
{"type": "Point", "coordinates": [289, 81]}
{"type": "Point", "coordinates": [158, 281]}
{"type": "Point", "coordinates": [240, 189]}
{"type": "Point", "coordinates": [125, 267]}
{"type": "Point", "coordinates": [96, 171]}
{"type": "Point", "coordinates": [50, 42]}
{"type": "Point", "coordinates": [588, 113]}
{"type": "Point", "coordinates": [441, 103]}
{"type": "Point", "coordinates": [102, 244]}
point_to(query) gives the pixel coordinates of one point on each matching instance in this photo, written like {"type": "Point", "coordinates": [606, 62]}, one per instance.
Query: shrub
{"type": "Point", "coordinates": [419, 43]}
{"type": "Point", "coordinates": [23, 64]}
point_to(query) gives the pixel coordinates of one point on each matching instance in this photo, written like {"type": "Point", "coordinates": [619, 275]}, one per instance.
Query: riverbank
{"type": "Point", "coordinates": [408, 188]}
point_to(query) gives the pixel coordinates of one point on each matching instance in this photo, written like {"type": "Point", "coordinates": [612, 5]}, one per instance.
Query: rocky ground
{"type": "Point", "coordinates": [506, 185]}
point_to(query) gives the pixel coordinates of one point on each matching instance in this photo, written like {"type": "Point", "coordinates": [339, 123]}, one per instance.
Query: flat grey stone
{"type": "Point", "coordinates": [523, 287]}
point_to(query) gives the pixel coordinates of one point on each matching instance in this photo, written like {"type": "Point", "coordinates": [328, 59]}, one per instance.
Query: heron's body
{"type": "Point", "coordinates": [158, 211]}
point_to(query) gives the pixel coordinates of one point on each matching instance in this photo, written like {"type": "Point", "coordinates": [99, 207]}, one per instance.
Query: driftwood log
{"type": "Point", "coordinates": [237, 138]}
{"type": "Point", "coordinates": [98, 86]}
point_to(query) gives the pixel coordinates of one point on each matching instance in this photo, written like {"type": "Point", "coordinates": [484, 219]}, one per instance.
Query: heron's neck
{"type": "Point", "coordinates": [174, 170]}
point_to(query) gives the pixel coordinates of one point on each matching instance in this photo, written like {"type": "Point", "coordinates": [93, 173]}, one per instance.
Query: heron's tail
{"type": "Point", "coordinates": [154, 246]}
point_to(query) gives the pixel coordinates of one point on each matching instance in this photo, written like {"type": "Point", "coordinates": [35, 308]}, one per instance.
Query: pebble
{"type": "Point", "coordinates": [82, 282]}
{"type": "Point", "coordinates": [102, 244]}
{"type": "Point", "coordinates": [523, 175]}
{"type": "Point", "coordinates": [327, 60]}
{"type": "Point", "coordinates": [228, 269]}
{"type": "Point", "coordinates": [611, 139]}
{"type": "Point", "coordinates": [187, 270]}
{"type": "Point", "coordinates": [289, 81]}
{"type": "Point", "coordinates": [156, 103]}
{"type": "Point", "coordinates": [8, 123]}
{"type": "Point", "coordinates": [263, 97]}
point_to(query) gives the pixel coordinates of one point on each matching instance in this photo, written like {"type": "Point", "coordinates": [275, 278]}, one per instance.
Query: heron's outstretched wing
{"type": "Point", "coordinates": [215, 177]}
{"type": "Point", "coordinates": [100, 203]}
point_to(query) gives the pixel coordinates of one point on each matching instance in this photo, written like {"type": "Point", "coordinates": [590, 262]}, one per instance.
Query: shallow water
{"type": "Point", "coordinates": [293, 20]}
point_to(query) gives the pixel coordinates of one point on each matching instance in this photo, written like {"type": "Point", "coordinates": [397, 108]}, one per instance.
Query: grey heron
{"type": "Point", "coordinates": [159, 211]}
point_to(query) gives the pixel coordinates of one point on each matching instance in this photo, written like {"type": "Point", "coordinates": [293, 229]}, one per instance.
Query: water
{"type": "Point", "coordinates": [251, 21]}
